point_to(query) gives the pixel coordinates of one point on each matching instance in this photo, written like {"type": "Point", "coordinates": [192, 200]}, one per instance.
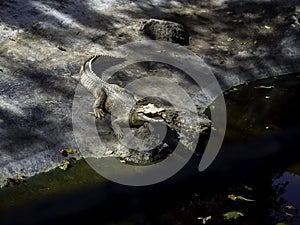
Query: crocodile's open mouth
{"type": "Point", "coordinates": [152, 116]}
{"type": "Point", "coordinates": [151, 109]}
{"type": "Point", "coordinates": [171, 116]}
{"type": "Point", "coordinates": [155, 114]}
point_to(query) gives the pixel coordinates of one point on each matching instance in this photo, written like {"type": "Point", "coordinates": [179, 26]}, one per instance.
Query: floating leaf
{"type": "Point", "coordinates": [245, 199]}
{"type": "Point", "coordinates": [289, 214]}
{"type": "Point", "coordinates": [264, 87]}
{"type": "Point", "coordinates": [283, 223]}
{"type": "Point", "coordinates": [290, 207]}
{"type": "Point", "coordinates": [267, 27]}
{"type": "Point", "coordinates": [249, 188]}
{"type": "Point", "coordinates": [204, 219]}
{"type": "Point", "coordinates": [66, 74]}
{"type": "Point", "coordinates": [230, 39]}
{"type": "Point", "coordinates": [233, 215]}
{"type": "Point", "coordinates": [1, 69]}
{"type": "Point", "coordinates": [234, 198]}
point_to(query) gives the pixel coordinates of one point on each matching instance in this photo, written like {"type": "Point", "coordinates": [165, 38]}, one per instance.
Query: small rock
{"type": "Point", "coordinates": [61, 48]}
{"type": "Point", "coordinates": [109, 152]}
{"type": "Point", "coordinates": [166, 31]}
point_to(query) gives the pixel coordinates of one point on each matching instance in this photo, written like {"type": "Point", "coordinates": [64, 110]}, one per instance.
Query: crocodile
{"type": "Point", "coordinates": [110, 98]}
{"type": "Point", "coordinates": [125, 107]}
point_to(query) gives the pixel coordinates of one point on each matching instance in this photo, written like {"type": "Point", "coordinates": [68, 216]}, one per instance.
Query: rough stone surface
{"type": "Point", "coordinates": [166, 31]}
{"type": "Point", "coordinates": [43, 43]}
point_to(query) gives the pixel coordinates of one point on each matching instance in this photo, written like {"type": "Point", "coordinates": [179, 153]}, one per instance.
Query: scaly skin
{"type": "Point", "coordinates": [129, 109]}
{"type": "Point", "coordinates": [110, 98]}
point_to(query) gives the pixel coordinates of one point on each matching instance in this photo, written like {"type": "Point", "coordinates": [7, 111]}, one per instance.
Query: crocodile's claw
{"type": "Point", "coordinates": [99, 113]}
{"type": "Point", "coordinates": [117, 128]}
{"type": "Point", "coordinates": [118, 132]}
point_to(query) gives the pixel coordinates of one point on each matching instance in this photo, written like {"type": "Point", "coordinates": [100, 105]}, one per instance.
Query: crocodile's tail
{"type": "Point", "coordinates": [83, 67]}
{"type": "Point", "coordinates": [91, 72]}
{"type": "Point", "coordinates": [100, 64]}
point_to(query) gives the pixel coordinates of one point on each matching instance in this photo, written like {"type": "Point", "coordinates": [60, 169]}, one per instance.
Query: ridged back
{"type": "Point", "coordinates": [92, 70]}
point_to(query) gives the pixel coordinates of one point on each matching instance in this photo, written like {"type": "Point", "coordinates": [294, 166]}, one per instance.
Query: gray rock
{"type": "Point", "coordinates": [166, 31]}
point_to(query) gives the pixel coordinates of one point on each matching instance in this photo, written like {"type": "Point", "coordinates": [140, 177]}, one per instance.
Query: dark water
{"type": "Point", "coordinates": [259, 160]}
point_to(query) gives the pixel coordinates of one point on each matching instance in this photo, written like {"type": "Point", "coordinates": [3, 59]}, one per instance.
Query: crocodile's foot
{"type": "Point", "coordinates": [118, 132]}
{"type": "Point", "coordinates": [98, 113]}
{"type": "Point", "coordinates": [117, 129]}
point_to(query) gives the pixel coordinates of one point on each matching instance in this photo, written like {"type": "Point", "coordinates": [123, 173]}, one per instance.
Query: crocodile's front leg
{"type": "Point", "coordinates": [99, 105]}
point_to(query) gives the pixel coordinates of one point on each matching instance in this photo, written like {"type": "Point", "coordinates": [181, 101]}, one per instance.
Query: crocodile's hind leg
{"type": "Point", "coordinates": [99, 103]}
{"type": "Point", "coordinates": [118, 123]}
{"type": "Point", "coordinates": [117, 128]}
